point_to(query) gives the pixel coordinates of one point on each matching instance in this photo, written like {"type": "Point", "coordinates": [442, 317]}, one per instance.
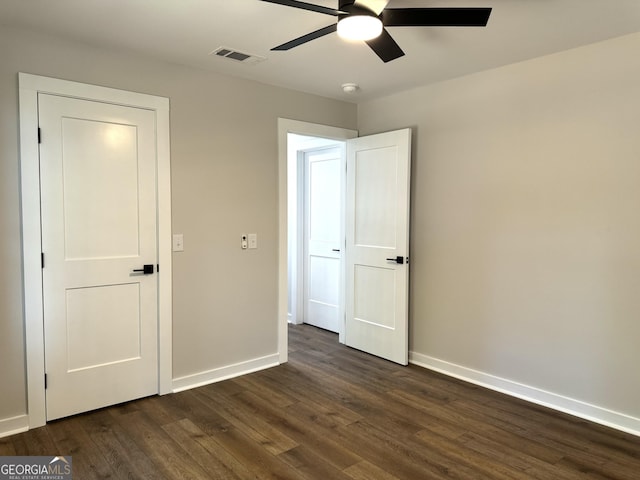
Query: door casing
{"type": "Point", "coordinates": [29, 88]}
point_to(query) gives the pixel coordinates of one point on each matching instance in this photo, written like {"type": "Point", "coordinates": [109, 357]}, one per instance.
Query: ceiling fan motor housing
{"type": "Point", "coordinates": [343, 4]}
{"type": "Point", "coordinates": [351, 9]}
{"type": "Point", "coordinates": [357, 23]}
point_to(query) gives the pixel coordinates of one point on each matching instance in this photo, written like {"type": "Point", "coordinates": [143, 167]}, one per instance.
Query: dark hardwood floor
{"type": "Point", "coordinates": [333, 413]}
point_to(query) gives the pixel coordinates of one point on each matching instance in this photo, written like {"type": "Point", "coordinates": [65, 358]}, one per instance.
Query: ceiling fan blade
{"type": "Point", "coordinates": [385, 47]}
{"type": "Point", "coordinates": [376, 6]}
{"type": "Point", "coordinates": [306, 6]}
{"type": "Point", "coordinates": [307, 38]}
{"type": "Point", "coordinates": [436, 17]}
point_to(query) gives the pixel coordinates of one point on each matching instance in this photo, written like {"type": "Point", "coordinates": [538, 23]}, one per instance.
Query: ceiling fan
{"type": "Point", "coordinates": [366, 20]}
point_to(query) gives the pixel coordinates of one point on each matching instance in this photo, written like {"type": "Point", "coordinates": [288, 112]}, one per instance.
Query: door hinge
{"type": "Point", "coordinates": [158, 267]}
{"type": "Point", "coordinates": [39, 135]}
{"type": "Point", "coordinates": [45, 381]}
{"type": "Point", "coordinates": [42, 259]}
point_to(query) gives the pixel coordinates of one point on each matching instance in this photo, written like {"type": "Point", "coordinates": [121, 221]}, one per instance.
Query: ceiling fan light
{"type": "Point", "coordinates": [359, 27]}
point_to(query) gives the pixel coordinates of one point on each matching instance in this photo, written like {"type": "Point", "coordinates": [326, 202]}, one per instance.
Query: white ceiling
{"type": "Point", "coordinates": [186, 31]}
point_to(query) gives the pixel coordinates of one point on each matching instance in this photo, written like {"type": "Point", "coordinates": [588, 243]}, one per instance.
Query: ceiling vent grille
{"type": "Point", "coordinates": [235, 55]}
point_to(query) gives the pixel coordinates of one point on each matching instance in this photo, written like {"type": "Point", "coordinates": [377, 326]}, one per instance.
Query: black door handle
{"type": "Point", "coordinates": [147, 270]}
{"type": "Point", "coordinates": [398, 259]}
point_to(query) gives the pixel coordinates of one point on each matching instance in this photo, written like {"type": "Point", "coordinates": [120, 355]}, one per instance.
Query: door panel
{"type": "Point", "coordinates": [93, 319]}
{"type": "Point", "coordinates": [322, 237]}
{"type": "Point", "coordinates": [374, 291]}
{"type": "Point", "coordinates": [99, 210]}
{"type": "Point", "coordinates": [99, 185]}
{"type": "Point", "coordinates": [322, 274]}
{"type": "Point", "coordinates": [375, 192]}
{"type": "Point", "coordinates": [377, 234]}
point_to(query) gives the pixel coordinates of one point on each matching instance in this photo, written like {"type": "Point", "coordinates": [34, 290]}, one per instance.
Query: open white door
{"type": "Point", "coordinates": [377, 244]}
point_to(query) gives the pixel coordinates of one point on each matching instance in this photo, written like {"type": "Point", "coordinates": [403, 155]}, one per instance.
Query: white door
{"type": "Point", "coordinates": [377, 244]}
{"type": "Point", "coordinates": [322, 234]}
{"type": "Point", "coordinates": [98, 191]}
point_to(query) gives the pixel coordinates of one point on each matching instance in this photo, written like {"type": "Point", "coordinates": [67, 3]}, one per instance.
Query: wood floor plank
{"type": "Point", "coordinates": [368, 405]}
{"type": "Point", "coordinates": [71, 439]}
{"type": "Point", "coordinates": [457, 420]}
{"type": "Point", "coordinates": [255, 384]}
{"type": "Point", "coordinates": [521, 459]}
{"type": "Point", "coordinates": [581, 450]}
{"type": "Point", "coordinates": [397, 457]}
{"type": "Point", "coordinates": [476, 461]}
{"type": "Point", "coordinates": [306, 390]}
{"type": "Point", "coordinates": [161, 449]}
{"type": "Point", "coordinates": [260, 431]}
{"type": "Point", "coordinates": [367, 471]}
{"type": "Point", "coordinates": [36, 442]}
{"type": "Point", "coordinates": [121, 452]}
{"type": "Point", "coordinates": [305, 427]}
{"type": "Point", "coordinates": [203, 450]}
{"type": "Point", "coordinates": [7, 447]}
{"type": "Point", "coordinates": [311, 465]}
{"type": "Point", "coordinates": [260, 462]}
{"type": "Point", "coordinates": [188, 405]}
{"type": "Point", "coordinates": [364, 402]}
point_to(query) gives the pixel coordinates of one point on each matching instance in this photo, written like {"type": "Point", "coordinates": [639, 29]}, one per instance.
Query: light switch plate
{"type": "Point", "coordinates": [178, 242]}
{"type": "Point", "coordinates": [253, 240]}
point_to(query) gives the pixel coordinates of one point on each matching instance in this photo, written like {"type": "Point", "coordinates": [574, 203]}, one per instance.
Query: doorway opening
{"type": "Point", "coordinates": [373, 242]}
{"type": "Point", "coordinates": [294, 139]}
{"type": "Point", "coordinates": [315, 195]}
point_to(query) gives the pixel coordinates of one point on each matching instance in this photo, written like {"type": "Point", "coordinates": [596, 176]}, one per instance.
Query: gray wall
{"type": "Point", "coordinates": [224, 183]}
{"type": "Point", "coordinates": [525, 225]}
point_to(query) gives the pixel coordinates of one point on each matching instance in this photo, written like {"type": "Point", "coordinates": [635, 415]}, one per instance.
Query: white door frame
{"type": "Point", "coordinates": [286, 126]}
{"type": "Point", "coordinates": [29, 88]}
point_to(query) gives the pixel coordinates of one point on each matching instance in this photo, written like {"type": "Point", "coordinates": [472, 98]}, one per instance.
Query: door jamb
{"type": "Point", "coordinates": [29, 88]}
{"type": "Point", "coordinates": [286, 126]}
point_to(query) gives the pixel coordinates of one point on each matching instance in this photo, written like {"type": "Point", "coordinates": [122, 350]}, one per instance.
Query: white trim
{"type": "Point", "coordinates": [286, 126]}
{"type": "Point", "coordinates": [68, 88]}
{"type": "Point", "coordinates": [165, 257]}
{"type": "Point", "coordinates": [33, 307]}
{"type": "Point", "coordinates": [13, 425]}
{"type": "Point", "coordinates": [577, 408]}
{"type": "Point", "coordinates": [224, 373]}
{"type": "Point", "coordinates": [29, 88]}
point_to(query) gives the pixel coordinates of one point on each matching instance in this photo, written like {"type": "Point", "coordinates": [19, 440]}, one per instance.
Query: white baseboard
{"type": "Point", "coordinates": [293, 321]}
{"type": "Point", "coordinates": [13, 425]}
{"type": "Point", "coordinates": [574, 407]}
{"type": "Point", "coordinates": [224, 373]}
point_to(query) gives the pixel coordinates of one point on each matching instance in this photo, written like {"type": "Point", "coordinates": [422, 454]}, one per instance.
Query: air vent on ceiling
{"type": "Point", "coordinates": [241, 57]}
